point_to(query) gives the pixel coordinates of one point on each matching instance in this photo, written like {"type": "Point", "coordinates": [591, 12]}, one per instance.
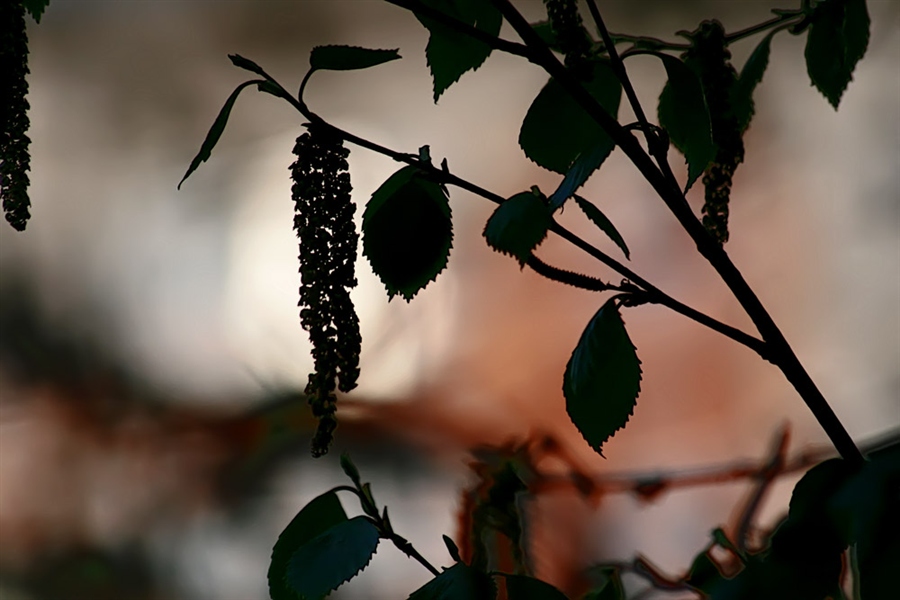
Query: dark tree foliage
{"type": "Point", "coordinates": [571, 127]}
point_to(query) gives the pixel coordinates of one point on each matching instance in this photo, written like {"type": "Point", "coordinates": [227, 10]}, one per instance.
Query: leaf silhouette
{"type": "Point", "coordinates": [518, 225]}
{"type": "Point", "coordinates": [685, 116]}
{"type": "Point", "coordinates": [407, 232]}
{"type": "Point", "coordinates": [322, 513]}
{"type": "Point", "coordinates": [459, 582]}
{"type": "Point", "coordinates": [218, 126]}
{"type": "Point", "coordinates": [332, 558]}
{"type": "Point", "coordinates": [347, 58]}
{"type": "Point", "coordinates": [450, 53]}
{"type": "Point", "coordinates": [837, 40]}
{"type": "Point", "coordinates": [556, 130]}
{"type": "Point", "coordinates": [603, 378]}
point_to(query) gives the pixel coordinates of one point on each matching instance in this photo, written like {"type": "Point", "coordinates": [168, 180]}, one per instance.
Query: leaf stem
{"type": "Point", "coordinates": [655, 145]}
{"type": "Point", "coordinates": [657, 296]}
{"type": "Point", "coordinates": [779, 351]}
{"type": "Point", "coordinates": [407, 548]}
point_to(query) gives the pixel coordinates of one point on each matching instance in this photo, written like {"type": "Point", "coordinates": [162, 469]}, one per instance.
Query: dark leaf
{"type": "Point", "coordinates": [347, 58]}
{"type": "Point", "coordinates": [518, 225]}
{"type": "Point", "coordinates": [35, 8]}
{"type": "Point", "coordinates": [450, 53]}
{"type": "Point", "coordinates": [685, 116]}
{"type": "Point", "coordinates": [332, 558]}
{"type": "Point", "coordinates": [459, 582]}
{"type": "Point", "coordinates": [603, 378]}
{"type": "Point", "coordinates": [215, 132]}
{"type": "Point", "coordinates": [315, 518]}
{"type": "Point", "coordinates": [610, 588]}
{"type": "Point", "coordinates": [704, 574]}
{"type": "Point", "coordinates": [522, 587]}
{"type": "Point", "coordinates": [556, 130]}
{"type": "Point", "coordinates": [812, 493]}
{"type": "Point", "coordinates": [247, 64]}
{"type": "Point", "coordinates": [867, 507]}
{"type": "Point", "coordinates": [350, 469]}
{"type": "Point", "coordinates": [544, 30]}
{"type": "Point", "coordinates": [751, 75]}
{"type": "Point", "coordinates": [605, 225]}
{"type": "Point", "coordinates": [451, 548]}
{"type": "Point", "coordinates": [407, 232]}
{"type": "Point", "coordinates": [838, 38]}
{"type": "Point", "coordinates": [583, 167]}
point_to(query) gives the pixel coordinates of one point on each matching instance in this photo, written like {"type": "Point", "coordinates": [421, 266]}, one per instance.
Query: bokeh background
{"type": "Point", "coordinates": [151, 441]}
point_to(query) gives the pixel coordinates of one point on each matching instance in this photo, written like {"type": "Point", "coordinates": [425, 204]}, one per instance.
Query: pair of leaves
{"type": "Point", "coordinates": [837, 40]}
{"type": "Point", "coordinates": [407, 232]}
{"type": "Point", "coordinates": [603, 378]}
{"type": "Point", "coordinates": [451, 53]}
{"type": "Point", "coordinates": [335, 58]}
{"type": "Point", "coordinates": [560, 136]}
{"type": "Point", "coordinates": [320, 550]}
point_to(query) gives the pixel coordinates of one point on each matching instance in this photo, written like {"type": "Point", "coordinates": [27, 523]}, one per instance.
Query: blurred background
{"type": "Point", "coordinates": [152, 440]}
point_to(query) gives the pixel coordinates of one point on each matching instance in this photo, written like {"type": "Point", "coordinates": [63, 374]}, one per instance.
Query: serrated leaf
{"type": "Point", "coordinates": [35, 8]}
{"type": "Point", "coordinates": [322, 513]}
{"type": "Point", "coordinates": [407, 232]}
{"type": "Point", "coordinates": [684, 114]}
{"type": "Point", "coordinates": [603, 378]}
{"type": "Point", "coordinates": [751, 75]}
{"type": "Point", "coordinates": [215, 132]}
{"type": "Point", "coordinates": [348, 58]}
{"type": "Point", "coordinates": [332, 558]}
{"type": "Point", "coordinates": [556, 130]}
{"type": "Point", "coordinates": [837, 40]}
{"type": "Point", "coordinates": [605, 225]}
{"type": "Point", "coordinates": [451, 53]}
{"type": "Point", "coordinates": [518, 225]}
{"type": "Point", "coordinates": [580, 171]}
{"type": "Point", "coordinates": [523, 587]}
{"type": "Point", "coordinates": [459, 582]}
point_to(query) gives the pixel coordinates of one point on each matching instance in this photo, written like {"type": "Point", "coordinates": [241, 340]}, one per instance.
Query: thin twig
{"type": "Point", "coordinates": [779, 350]}
{"type": "Point", "coordinates": [657, 296]}
{"type": "Point", "coordinates": [743, 33]}
{"type": "Point", "coordinates": [768, 473]}
{"type": "Point", "coordinates": [655, 145]}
